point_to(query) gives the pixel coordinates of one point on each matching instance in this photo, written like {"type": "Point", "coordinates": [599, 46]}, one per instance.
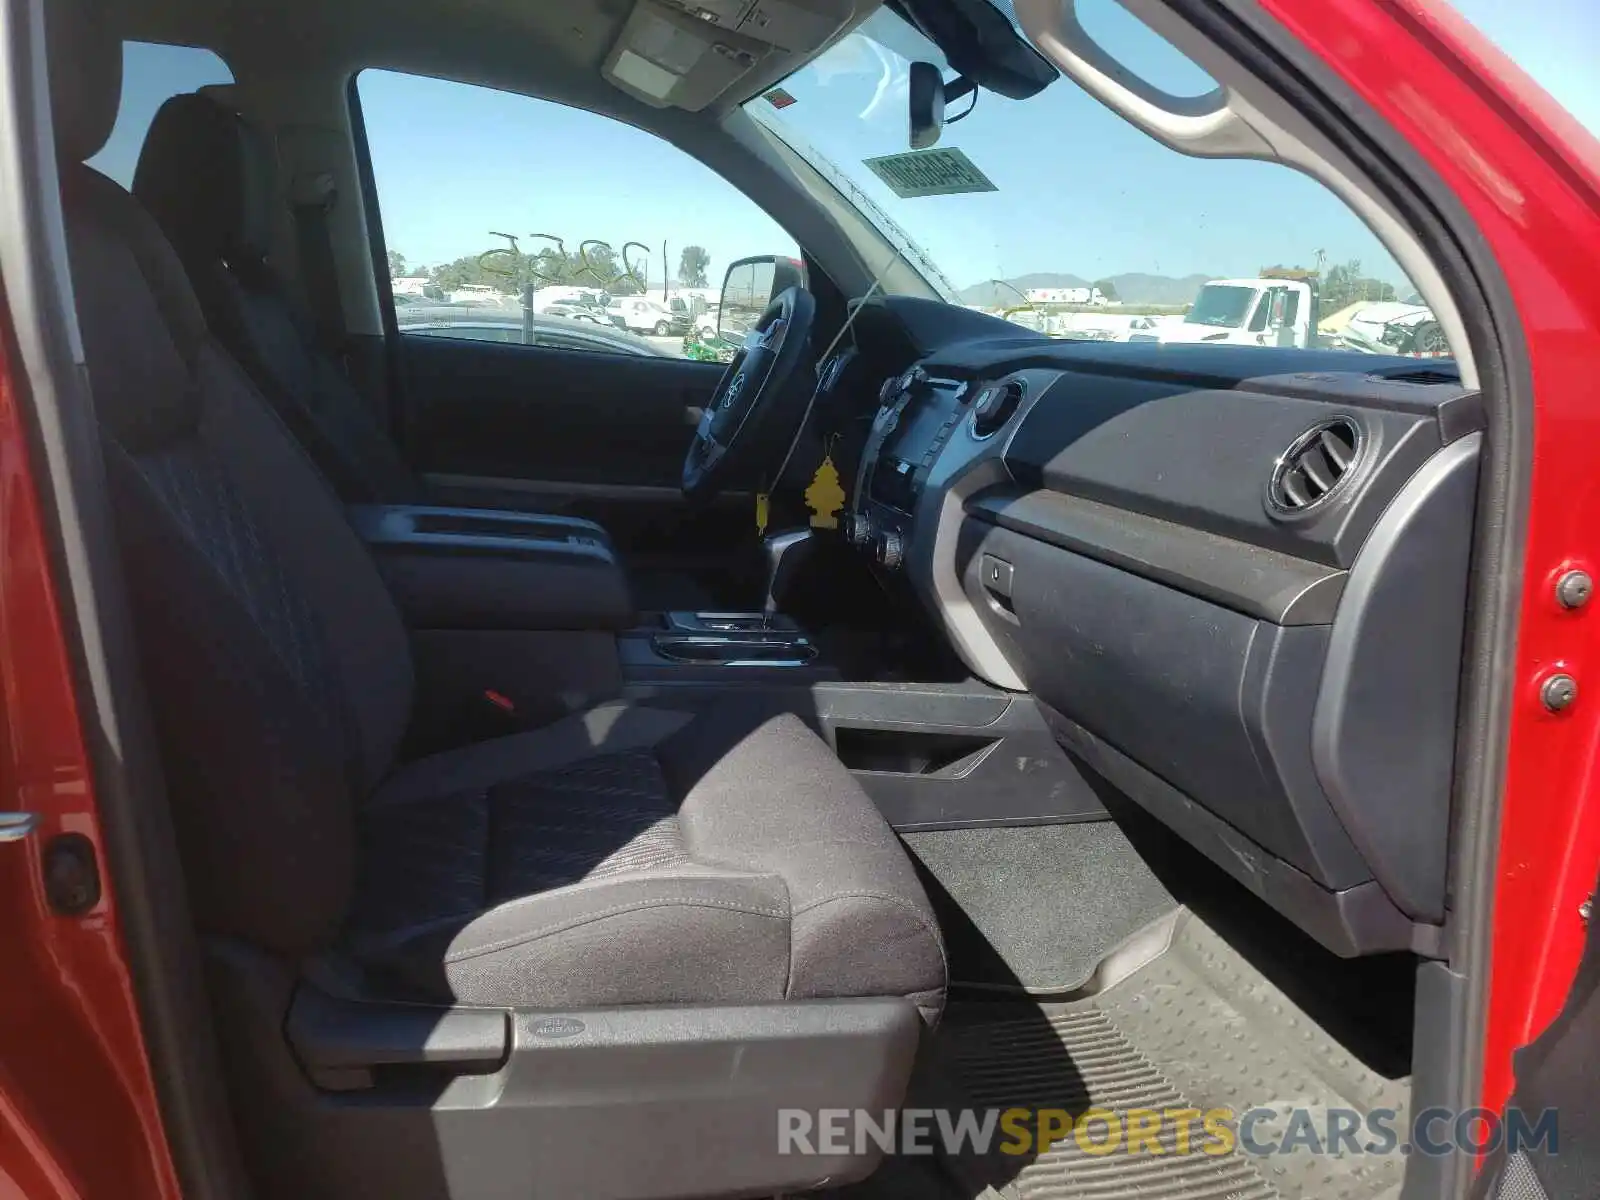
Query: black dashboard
{"type": "Point", "coordinates": [1233, 577]}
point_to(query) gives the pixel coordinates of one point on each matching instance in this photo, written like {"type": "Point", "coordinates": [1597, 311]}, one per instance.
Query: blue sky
{"type": "Point", "coordinates": [1079, 190]}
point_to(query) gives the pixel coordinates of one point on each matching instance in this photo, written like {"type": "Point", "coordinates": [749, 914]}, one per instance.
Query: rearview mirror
{"type": "Point", "coordinates": [927, 97]}
{"type": "Point", "coordinates": [925, 102]}
{"type": "Point", "coordinates": [749, 287]}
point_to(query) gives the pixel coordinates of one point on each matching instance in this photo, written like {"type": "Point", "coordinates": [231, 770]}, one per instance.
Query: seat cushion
{"type": "Point", "coordinates": [642, 855]}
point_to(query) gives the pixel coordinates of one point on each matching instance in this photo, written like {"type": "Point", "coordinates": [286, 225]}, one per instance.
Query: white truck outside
{"type": "Point", "coordinates": [1248, 312]}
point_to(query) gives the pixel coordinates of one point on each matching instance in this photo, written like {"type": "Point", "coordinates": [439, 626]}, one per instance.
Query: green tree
{"type": "Point", "coordinates": [596, 266]}
{"type": "Point", "coordinates": [397, 264]}
{"type": "Point", "coordinates": [550, 266]}
{"type": "Point", "coordinates": [1108, 290]}
{"type": "Point", "coordinates": [1346, 285]}
{"type": "Point", "coordinates": [692, 264]}
{"type": "Point", "coordinates": [501, 271]}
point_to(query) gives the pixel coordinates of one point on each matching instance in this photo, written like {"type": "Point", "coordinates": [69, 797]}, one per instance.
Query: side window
{"type": "Point", "coordinates": [1264, 306]}
{"type": "Point", "coordinates": [152, 73]}
{"type": "Point", "coordinates": [520, 220]}
{"type": "Point", "coordinates": [1290, 302]}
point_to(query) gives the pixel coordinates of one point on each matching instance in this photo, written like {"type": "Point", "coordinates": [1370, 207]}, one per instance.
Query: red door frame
{"type": "Point", "coordinates": [1529, 176]}
{"type": "Point", "coordinates": [78, 1111]}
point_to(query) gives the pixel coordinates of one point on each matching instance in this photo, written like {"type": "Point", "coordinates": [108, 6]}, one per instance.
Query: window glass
{"type": "Point", "coordinates": [1060, 215]}
{"type": "Point", "coordinates": [530, 220]}
{"type": "Point", "coordinates": [152, 74]}
{"type": "Point", "coordinates": [1289, 306]}
{"type": "Point", "coordinates": [1258, 322]}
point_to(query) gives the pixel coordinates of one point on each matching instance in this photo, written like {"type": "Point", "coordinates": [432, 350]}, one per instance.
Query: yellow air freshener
{"type": "Point", "coordinates": [825, 496]}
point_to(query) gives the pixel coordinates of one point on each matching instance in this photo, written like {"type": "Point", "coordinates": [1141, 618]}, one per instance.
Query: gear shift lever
{"type": "Point", "coordinates": [784, 553]}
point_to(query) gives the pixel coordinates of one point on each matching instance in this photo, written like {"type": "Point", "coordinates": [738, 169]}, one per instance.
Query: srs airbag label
{"type": "Point", "coordinates": [935, 172]}
{"type": "Point", "coordinates": [557, 1027]}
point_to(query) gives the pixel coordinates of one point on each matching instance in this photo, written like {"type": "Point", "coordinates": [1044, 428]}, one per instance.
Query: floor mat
{"type": "Point", "coordinates": [1198, 1028]}
{"type": "Point", "coordinates": [1036, 907]}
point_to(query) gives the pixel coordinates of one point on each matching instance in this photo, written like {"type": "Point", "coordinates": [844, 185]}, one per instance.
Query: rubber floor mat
{"type": "Point", "coordinates": [1076, 1059]}
{"type": "Point", "coordinates": [1198, 1028]}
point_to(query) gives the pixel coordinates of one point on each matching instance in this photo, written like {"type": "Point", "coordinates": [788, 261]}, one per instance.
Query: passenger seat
{"type": "Point", "coordinates": [701, 895]}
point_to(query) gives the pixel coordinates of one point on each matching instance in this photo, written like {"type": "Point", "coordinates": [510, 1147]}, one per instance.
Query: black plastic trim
{"type": "Point", "coordinates": [398, 378]}
{"type": "Point", "coordinates": [1350, 921]}
{"type": "Point", "coordinates": [1216, 703]}
{"type": "Point", "coordinates": [1383, 734]}
{"type": "Point", "coordinates": [1261, 583]}
{"type": "Point", "coordinates": [333, 1034]}
{"type": "Point", "coordinates": [627, 1103]}
{"type": "Point", "coordinates": [1201, 456]}
{"type": "Point", "coordinates": [454, 568]}
{"type": "Point", "coordinates": [423, 529]}
{"type": "Point", "coordinates": [1014, 773]}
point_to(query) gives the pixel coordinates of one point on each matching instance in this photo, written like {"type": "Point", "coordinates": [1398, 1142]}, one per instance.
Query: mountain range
{"type": "Point", "coordinates": [1132, 288]}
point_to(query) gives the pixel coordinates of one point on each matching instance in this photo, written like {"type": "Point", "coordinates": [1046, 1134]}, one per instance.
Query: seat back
{"type": "Point", "coordinates": [274, 657]}
{"type": "Point", "coordinates": [209, 179]}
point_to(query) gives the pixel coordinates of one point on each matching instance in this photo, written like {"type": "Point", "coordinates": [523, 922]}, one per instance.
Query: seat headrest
{"type": "Point", "coordinates": [85, 64]}
{"type": "Point", "coordinates": [206, 176]}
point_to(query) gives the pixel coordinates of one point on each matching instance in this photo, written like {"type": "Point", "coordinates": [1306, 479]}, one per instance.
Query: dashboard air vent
{"type": "Point", "coordinates": [995, 406]}
{"type": "Point", "coordinates": [1315, 465]}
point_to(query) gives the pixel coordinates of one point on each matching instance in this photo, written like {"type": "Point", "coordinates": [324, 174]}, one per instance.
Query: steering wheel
{"type": "Point", "coordinates": [754, 408]}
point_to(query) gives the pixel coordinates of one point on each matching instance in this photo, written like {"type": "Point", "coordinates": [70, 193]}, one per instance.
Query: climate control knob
{"type": "Point", "coordinates": [891, 550]}
{"type": "Point", "coordinates": [858, 529]}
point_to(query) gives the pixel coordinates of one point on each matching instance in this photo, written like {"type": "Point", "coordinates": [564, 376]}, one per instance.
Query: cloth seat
{"type": "Point", "coordinates": [209, 179]}
{"type": "Point", "coordinates": [641, 855]}
{"type": "Point", "coordinates": [632, 854]}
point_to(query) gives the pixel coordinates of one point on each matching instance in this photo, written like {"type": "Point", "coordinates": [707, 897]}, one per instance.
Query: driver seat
{"type": "Point", "coordinates": [208, 177]}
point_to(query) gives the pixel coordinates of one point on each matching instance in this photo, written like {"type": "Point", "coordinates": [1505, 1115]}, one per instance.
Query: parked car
{"type": "Point", "coordinates": [579, 310]}
{"type": "Point", "coordinates": [643, 315]}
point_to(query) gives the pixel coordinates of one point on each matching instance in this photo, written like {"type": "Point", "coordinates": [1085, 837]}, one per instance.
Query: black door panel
{"type": "Point", "coordinates": [594, 435]}
{"type": "Point", "coordinates": [534, 413]}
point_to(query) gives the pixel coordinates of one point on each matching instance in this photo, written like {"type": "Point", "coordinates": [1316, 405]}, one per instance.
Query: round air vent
{"type": "Point", "coordinates": [1314, 466]}
{"type": "Point", "coordinates": [995, 406]}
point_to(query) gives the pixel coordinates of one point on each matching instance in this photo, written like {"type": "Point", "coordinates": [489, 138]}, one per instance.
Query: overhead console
{"type": "Point", "coordinates": [1234, 579]}
{"type": "Point", "coordinates": [687, 53]}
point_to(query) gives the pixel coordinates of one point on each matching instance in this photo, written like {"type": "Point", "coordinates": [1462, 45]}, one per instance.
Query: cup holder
{"type": "Point", "coordinates": [783, 651]}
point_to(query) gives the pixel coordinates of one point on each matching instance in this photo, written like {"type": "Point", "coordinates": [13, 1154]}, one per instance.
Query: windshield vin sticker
{"type": "Point", "coordinates": [935, 172]}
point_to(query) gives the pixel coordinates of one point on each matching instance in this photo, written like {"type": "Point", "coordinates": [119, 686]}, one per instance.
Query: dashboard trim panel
{"type": "Point", "coordinates": [1110, 548]}
{"type": "Point", "coordinates": [1248, 579]}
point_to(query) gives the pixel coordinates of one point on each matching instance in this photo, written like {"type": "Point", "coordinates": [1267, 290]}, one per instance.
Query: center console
{"type": "Point", "coordinates": [470, 568]}
{"type": "Point", "coordinates": [720, 648]}
{"type": "Point", "coordinates": [917, 414]}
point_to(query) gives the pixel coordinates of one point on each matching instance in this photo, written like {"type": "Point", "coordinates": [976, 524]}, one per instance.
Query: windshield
{"type": "Point", "coordinates": [1058, 214]}
{"type": "Point", "coordinates": [1222, 306]}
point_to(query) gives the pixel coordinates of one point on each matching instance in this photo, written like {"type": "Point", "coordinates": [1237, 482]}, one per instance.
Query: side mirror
{"type": "Point", "coordinates": [749, 287]}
